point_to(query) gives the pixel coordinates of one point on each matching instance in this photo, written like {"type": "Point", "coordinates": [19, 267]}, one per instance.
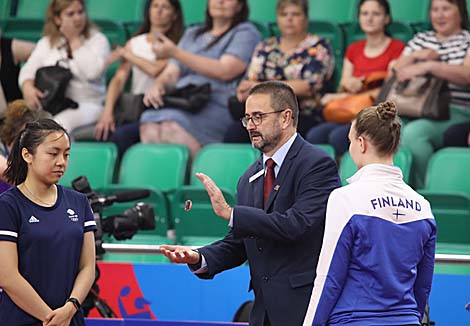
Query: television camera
{"type": "Point", "coordinates": [124, 226]}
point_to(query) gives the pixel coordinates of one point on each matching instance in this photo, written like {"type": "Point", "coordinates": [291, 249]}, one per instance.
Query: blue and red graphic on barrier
{"type": "Point", "coordinates": [169, 292]}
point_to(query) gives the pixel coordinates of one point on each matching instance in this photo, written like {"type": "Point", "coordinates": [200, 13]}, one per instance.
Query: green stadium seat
{"type": "Point", "coordinates": [236, 159]}
{"type": "Point", "coordinates": [113, 30]}
{"type": "Point", "coordinates": [32, 9]}
{"type": "Point", "coordinates": [347, 168]}
{"type": "Point", "coordinates": [131, 28]}
{"type": "Point", "coordinates": [336, 11]}
{"type": "Point", "coordinates": [455, 162]}
{"type": "Point", "coordinates": [262, 11]}
{"type": "Point", "coordinates": [96, 161]}
{"type": "Point", "coordinates": [5, 9]}
{"type": "Point", "coordinates": [327, 148]}
{"type": "Point", "coordinates": [452, 214]}
{"type": "Point", "coordinates": [402, 159]}
{"type": "Point", "coordinates": [263, 28]}
{"type": "Point", "coordinates": [224, 163]}
{"type": "Point", "coordinates": [160, 168]}
{"type": "Point", "coordinates": [123, 11]}
{"type": "Point", "coordinates": [28, 29]}
{"type": "Point", "coordinates": [194, 11]}
{"type": "Point", "coordinates": [117, 18]}
{"type": "Point", "coordinates": [410, 11]}
{"type": "Point", "coordinates": [448, 190]}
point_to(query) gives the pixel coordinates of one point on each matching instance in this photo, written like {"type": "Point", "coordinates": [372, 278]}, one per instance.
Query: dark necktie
{"type": "Point", "coordinates": [269, 179]}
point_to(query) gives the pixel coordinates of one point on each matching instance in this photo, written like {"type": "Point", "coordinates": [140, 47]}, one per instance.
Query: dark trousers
{"type": "Point", "coordinates": [125, 136]}
{"type": "Point", "coordinates": [457, 135]}
{"type": "Point", "coordinates": [334, 134]}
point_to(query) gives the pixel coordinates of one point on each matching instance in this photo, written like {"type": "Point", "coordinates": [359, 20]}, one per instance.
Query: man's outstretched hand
{"type": "Point", "coordinates": [219, 204]}
{"type": "Point", "coordinates": [180, 254]}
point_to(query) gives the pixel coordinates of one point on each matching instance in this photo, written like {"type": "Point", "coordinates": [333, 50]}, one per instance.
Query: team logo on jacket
{"type": "Point", "coordinates": [72, 215]}
{"type": "Point", "coordinates": [33, 219]}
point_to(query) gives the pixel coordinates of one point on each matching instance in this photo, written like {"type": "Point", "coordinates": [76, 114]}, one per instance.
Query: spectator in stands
{"type": "Point", "coordinates": [377, 259]}
{"type": "Point", "coordinates": [303, 60]}
{"type": "Point", "coordinates": [69, 35]}
{"type": "Point", "coordinates": [376, 53]}
{"type": "Point", "coordinates": [458, 135]}
{"type": "Point", "coordinates": [16, 117]}
{"type": "Point", "coordinates": [445, 53]}
{"type": "Point", "coordinates": [12, 53]}
{"type": "Point", "coordinates": [47, 245]}
{"type": "Point", "coordinates": [160, 16]}
{"type": "Point", "coordinates": [216, 52]}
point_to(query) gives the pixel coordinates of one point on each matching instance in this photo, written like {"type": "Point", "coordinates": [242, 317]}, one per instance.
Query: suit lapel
{"type": "Point", "coordinates": [284, 171]}
{"type": "Point", "coordinates": [257, 186]}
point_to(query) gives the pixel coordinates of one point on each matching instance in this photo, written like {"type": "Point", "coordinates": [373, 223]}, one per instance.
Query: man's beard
{"type": "Point", "coordinates": [267, 142]}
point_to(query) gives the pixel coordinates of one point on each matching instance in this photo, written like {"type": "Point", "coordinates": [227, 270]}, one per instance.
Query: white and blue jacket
{"type": "Point", "coordinates": [377, 259]}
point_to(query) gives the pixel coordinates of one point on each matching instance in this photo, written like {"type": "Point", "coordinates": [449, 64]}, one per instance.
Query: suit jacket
{"type": "Point", "coordinates": [282, 241]}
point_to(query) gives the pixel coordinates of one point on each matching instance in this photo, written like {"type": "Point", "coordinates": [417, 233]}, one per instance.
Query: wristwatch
{"type": "Point", "coordinates": [75, 303]}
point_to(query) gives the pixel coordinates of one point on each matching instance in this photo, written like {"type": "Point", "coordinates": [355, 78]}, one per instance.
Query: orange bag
{"type": "Point", "coordinates": [344, 110]}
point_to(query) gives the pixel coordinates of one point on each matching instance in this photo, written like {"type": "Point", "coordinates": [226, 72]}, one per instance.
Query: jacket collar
{"type": "Point", "coordinates": [377, 171]}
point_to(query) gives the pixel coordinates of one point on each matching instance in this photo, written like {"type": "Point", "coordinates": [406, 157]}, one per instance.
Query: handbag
{"type": "Point", "coordinates": [235, 107]}
{"type": "Point", "coordinates": [129, 108]}
{"type": "Point", "coordinates": [421, 97]}
{"type": "Point", "coordinates": [344, 110]}
{"type": "Point", "coordinates": [190, 98]}
{"type": "Point", "coordinates": [52, 81]}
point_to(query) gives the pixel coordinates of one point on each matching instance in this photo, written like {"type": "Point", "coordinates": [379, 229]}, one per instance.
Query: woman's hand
{"type": "Point", "coordinates": [154, 97]}
{"type": "Point", "coordinates": [105, 126]}
{"type": "Point", "coordinates": [32, 95]}
{"type": "Point", "coordinates": [116, 54]}
{"type": "Point", "coordinates": [418, 69]}
{"type": "Point", "coordinates": [61, 316]}
{"type": "Point", "coordinates": [163, 47]}
{"type": "Point", "coordinates": [352, 84]}
{"type": "Point", "coordinates": [244, 88]}
{"type": "Point", "coordinates": [426, 55]}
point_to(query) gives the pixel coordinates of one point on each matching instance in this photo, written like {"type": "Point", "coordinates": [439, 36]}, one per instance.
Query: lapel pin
{"type": "Point", "coordinates": [277, 187]}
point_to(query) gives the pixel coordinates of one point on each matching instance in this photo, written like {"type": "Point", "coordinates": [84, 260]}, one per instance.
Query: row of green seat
{"type": "Point", "coordinates": [162, 169]}
{"type": "Point", "coordinates": [128, 11]}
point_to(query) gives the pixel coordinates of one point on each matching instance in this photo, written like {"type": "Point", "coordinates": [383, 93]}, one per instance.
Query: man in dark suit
{"type": "Point", "coordinates": [278, 222]}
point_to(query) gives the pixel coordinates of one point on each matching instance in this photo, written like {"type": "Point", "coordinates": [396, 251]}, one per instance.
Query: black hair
{"type": "Point", "coordinates": [282, 96]}
{"type": "Point", "coordinates": [175, 32]}
{"type": "Point", "coordinates": [30, 138]}
{"type": "Point", "coordinates": [240, 17]}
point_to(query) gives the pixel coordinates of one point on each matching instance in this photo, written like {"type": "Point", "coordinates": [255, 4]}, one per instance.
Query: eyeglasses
{"type": "Point", "coordinates": [256, 118]}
